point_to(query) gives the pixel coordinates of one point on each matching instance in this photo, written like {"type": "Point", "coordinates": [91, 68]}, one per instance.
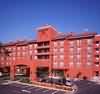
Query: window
{"type": "Point", "coordinates": [35, 57]}
{"type": "Point", "coordinates": [97, 45]}
{"type": "Point", "coordinates": [78, 43]}
{"type": "Point", "coordinates": [43, 56]}
{"type": "Point", "coordinates": [71, 49]}
{"type": "Point", "coordinates": [89, 60]}
{"type": "Point", "coordinates": [23, 53]}
{"type": "Point", "coordinates": [55, 44]}
{"type": "Point", "coordinates": [54, 57]}
{"type": "Point", "coordinates": [35, 51]}
{"type": "Point", "coordinates": [7, 63]}
{"type": "Point", "coordinates": [2, 58]}
{"type": "Point", "coordinates": [61, 64]}
{"type": "Point", "coordinates": [97, 73]}
{"type": "Point", "coordinates": [61, 56]}
{"type": "Point", "coordinates": [55, 64]}
{"type": "Point", "coordinates": [13, 58]}
{"type": "Point", "coordinates": [97, 42]}
{"type": "Point", "coordinates": [14, 54]}
{"type": "Point", "coordinates": [23, 47]}
{"type": "Point", "coordinates": [71, 57]}
{"type": "Point", "coordinates": [61, 49]}
{"type": "Point", "coordinates": [2, 63]}
{"type": "Point", "coordinates": [97, 49]}
{"type": "Point", "coordinates": [55, 50]}
{"type": "Point", "coordinates": [61, 43]}
{"type": "Point", "coordinates": [89, 48]}
{"type": "Point", "coordinates": [97, 63]}
{"type": "Point", "coordinates": [30, 52]}
{"type": "Point", "coordinates": [71, 63]}
{"type": "Point", "coordinates": [89, 56]}
{"type": "Point", "coordinates": [97, 52]}
{"type": "Point", "coordinates": [46, 43]}
{"type": "Point", "coordinates": [78, 50]}
{"type": "Point", "coordinates": [78, 56]}
{"type": "Point", "coordinates": [18, 53]}
{"type": "Point", "coordinates": [90, 42]}
{"type": "Point", "coordinates": [30, 46]}
{"type": "Point", "coordinates": [78, 64]}
{"type": "Point", "coordinates": [14, 48]}
{"type": "Point", "coordinates": [9, 49]}
{"type": "Point", "coordinates": [88, 63]}
{"type": "Point", "coordinates": [18, 48]}
{"type": "Point", "coordinates": [40, 44]}
{"type": "Point", "coordinates": [97, 56]}
{"type": "Point", "coordinates": [35, 45]}
{"type": "Point", "coordinates": [71, 43]}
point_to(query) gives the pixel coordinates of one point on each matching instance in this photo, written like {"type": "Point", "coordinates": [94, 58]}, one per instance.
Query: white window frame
{"type": "Point", "coordinates": [61, 50]}
{"type": "Point", "coordinates": [35, 45]}
{"type": "Point", "coordinates": [61, 64]}
{"type": "Point", "coordinates": [35, 57]}
{"type": "Point", "coordinates": [61, 43]}
{"type": "Point", "coordinates": [55, 43]}
{"type": "Point", "coordinates": [61, 57]}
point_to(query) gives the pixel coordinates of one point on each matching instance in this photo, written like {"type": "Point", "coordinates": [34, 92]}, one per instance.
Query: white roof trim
{"type": "Point", "coordinates": [45, 26]}
{"type": "Point", "coordinates": [97, 35]}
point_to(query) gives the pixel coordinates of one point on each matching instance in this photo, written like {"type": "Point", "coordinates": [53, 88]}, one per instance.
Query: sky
{"type": "Point", "coordinates": [20, 18]}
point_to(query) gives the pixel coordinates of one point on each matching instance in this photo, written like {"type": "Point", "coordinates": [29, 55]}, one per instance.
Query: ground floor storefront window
{"type": "Point", "coordinates": [5, 73]}
{"type": "Point", "coordinates": [22, 72]}
{"type": "Point", "coordinates": [42, 73]}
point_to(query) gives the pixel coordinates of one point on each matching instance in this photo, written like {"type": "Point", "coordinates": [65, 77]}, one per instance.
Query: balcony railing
{"type": "Point", "coordinates": [43, 53]}
{"type": "Point", "coordinates": [40, 47]}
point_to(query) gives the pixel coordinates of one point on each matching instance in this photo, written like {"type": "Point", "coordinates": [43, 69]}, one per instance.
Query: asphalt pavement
{"type": "Point", "coordinates": [84, 87]}
{"type": "Point", "coordinates": [87, 87]}
{"type": "Point", "coordinates": [15, 88]}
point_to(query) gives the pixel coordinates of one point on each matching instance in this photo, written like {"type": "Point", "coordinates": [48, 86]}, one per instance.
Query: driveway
{"type": "Point", "coordinates": [87, 87]}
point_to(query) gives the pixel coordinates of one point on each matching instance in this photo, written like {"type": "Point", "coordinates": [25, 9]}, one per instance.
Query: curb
{"type": "Point", "coordinates": [51, 88]}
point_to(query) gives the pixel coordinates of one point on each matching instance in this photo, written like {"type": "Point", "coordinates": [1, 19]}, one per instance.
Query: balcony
{"type": "Point", "coordinates": [97, 52]}
{"type": "Point", "coordinates": [97, 45]}
{"type": "Point", "coordinates": [42, 57]}
{"type": "Point", "coordinates": [43, 53]}
{"type": "Point", "coordinates": [97, 59]}
{"type": "Point", "coordinates": [43, 47]}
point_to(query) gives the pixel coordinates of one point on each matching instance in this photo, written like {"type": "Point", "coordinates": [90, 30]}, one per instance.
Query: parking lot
{"type": "Point", "coordinates": [15, 88]}
{"type": "Point", "coordinates": [84, 87]}
{"type": "Point", "coordinates": [87, 87]}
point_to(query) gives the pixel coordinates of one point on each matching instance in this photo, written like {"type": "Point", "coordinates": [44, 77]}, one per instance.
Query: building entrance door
{"type": "Point", "coordinates": [42, 73]}
{"type": "Point", "coordinates": [22, 72]}
{"type": "Point", "coordinates": [5, 73]}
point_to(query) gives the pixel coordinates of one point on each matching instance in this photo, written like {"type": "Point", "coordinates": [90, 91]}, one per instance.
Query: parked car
{"type": "Point", "coordinates": [56, 80]}
{"type": "Point", "coordinates": [0, 74]}
{"type": "Point", "coordinates": [69, 83]}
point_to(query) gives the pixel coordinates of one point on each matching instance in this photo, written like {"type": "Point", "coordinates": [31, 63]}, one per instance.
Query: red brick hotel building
{"type": "Point", "coordinates": [70, 54]}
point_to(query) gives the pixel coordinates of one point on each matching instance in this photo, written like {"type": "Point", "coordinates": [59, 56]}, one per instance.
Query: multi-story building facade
{"type": "Point", "coordinates": [53, 53]}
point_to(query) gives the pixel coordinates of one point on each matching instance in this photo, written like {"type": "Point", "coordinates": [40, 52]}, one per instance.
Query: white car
{"type": "Point", "coordinates": [69, 83]}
